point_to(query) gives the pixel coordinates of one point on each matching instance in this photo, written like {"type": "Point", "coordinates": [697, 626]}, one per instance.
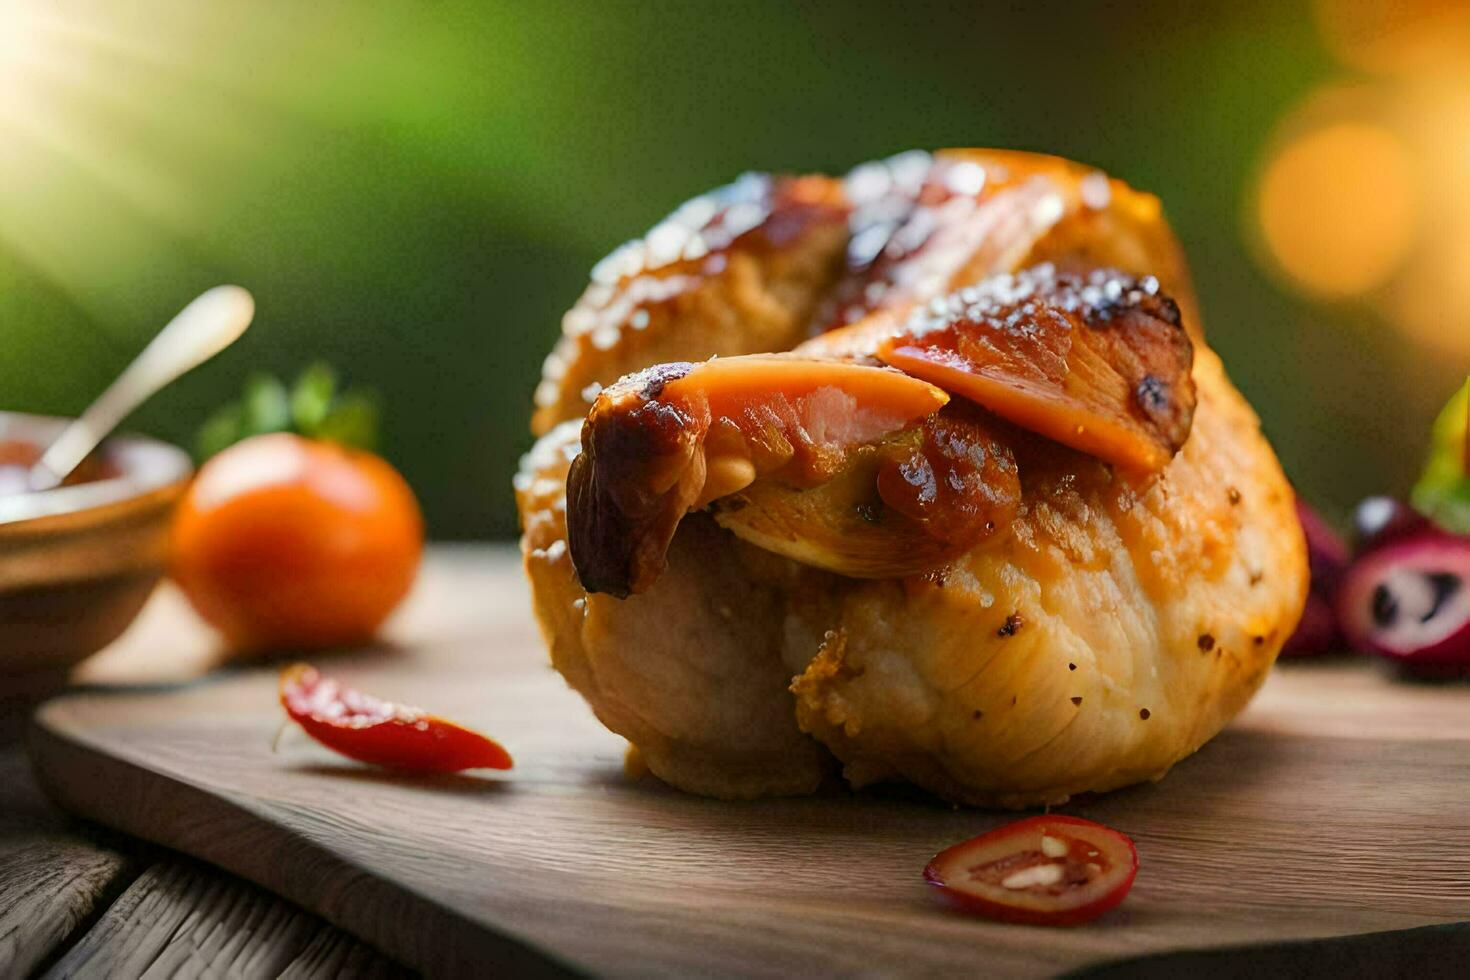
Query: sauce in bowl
{"type": "Point", "coordinates": [17, 456]}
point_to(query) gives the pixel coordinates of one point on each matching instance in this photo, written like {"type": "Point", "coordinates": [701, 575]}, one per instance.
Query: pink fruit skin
{"type": "Point", "coordinates": [1317, 633]}
{"type": "Point", "coordinates": [1427, 548]}
{"type": "Point", "coordinates": [1383, 520]}
{"type": "Point", "coordinates": [1328, 557]}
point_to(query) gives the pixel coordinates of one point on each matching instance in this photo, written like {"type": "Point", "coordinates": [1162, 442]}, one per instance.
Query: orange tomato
{"type": "Point", "coordinates": [288, 543]}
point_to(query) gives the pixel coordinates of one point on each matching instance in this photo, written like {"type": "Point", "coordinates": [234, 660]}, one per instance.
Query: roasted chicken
{"type": "Point", "coordinates": [998, 524]}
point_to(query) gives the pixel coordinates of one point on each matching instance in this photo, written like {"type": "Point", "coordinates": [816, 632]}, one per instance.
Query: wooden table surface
{"type": "Point", "coordinates": [79, 901]}
{"type": "Point", "coordinates": [76, 900]}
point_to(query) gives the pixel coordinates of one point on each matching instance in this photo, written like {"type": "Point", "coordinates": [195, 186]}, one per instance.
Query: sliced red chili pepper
{"type": "Point", "coordinates": [367, 729]}
{"type": "Point", "coordinates": [1049, 871]}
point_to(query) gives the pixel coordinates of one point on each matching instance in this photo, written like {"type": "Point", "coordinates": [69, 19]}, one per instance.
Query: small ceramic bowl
{"type": "Point", "coordinates": [78, 562]}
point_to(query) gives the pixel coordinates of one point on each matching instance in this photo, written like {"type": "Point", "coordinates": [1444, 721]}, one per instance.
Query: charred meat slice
{"type": "Point", "coordinates": [1098, 362]}
{"type": "Point", "coordinates": [904, 506]}
{"type": "Point", "coordinates": [672, 438]}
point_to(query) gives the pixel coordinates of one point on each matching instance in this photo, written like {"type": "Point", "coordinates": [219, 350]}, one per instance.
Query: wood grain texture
{"type": "Point", "coordinates": [59, 877]}
{"type": "Point", "coordinates": [1426, 953]}
{"type": "Point", "coordinates": [334, 954]}
{"type": "Point", "coordinates": [53, 876]}
{"type": "Point", "coordinates": [180, 919]}
{"type": "Point", "coordinates": [1338, 804]}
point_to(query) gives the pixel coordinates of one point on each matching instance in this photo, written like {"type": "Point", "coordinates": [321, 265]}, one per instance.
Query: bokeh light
{"type": "Point", "coordinates": [1362, 205]}
{"type": "Point", "coordinates": [1338, 206]}
{"type": "Point", "coordinates": [1365, 193]}
{"type": "Point", "coordinates": [1397, 37]}
{"type": "Point", "coordinates": [1431, 300]}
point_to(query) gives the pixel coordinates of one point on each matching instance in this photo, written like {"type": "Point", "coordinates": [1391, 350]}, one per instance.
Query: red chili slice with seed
{"type": "Point", "coordinates": [1045, 871]}
{"type": "Point", "coordinates": [379, 732]}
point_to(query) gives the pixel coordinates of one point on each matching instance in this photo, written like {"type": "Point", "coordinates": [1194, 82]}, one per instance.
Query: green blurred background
{"type": "Point", "coordinates": [416, 191]}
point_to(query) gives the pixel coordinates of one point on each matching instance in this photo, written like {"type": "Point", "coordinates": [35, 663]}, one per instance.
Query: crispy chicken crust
{"type": "Point", "coordinates": [740, 270]}
{"type": "Point", "coordinates": [1119, 624]}
{"type": "Point", "coordinates": [691, 671]}
{"type": "Point", "coordinates": [1117, 630]}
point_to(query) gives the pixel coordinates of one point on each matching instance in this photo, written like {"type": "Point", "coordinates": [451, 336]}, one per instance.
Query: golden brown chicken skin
{"type": "Point", "coordinates": [1124, 605]}
{"type": "Point", "coordinates": [739, 270]}
{"type": "Point", "coordinates": [1116, 629]}
{"type": "Point", "coordinates": [691, 671]}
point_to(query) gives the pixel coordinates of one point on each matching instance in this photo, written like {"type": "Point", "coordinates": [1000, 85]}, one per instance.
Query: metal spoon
{"type": "Point", "coordinates": [214, 321]}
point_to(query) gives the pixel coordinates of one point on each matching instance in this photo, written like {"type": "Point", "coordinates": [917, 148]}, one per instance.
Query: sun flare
{"type": "Point", "coordinates": [95, 158]}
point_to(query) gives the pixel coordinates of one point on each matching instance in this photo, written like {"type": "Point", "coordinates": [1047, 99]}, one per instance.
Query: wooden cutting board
{"type": "Point", "coordinates": [1338, 804]}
